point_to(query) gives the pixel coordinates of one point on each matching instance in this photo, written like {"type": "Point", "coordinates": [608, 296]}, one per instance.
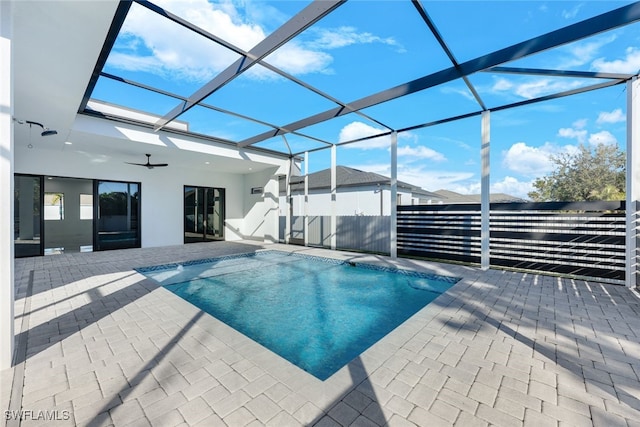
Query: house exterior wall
{"type": "Point", "coordinates": [362, 200]}
{"type": "Point", "coordinates": [6, 186]}
{"type": "Point", "coordinates": [260, 210]}
{"type": "Point", "coordinates": [162, 192]}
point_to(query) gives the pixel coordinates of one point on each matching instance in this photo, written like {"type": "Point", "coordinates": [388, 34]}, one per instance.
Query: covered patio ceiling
{"type": "Point", "coordinates": [444, 54]}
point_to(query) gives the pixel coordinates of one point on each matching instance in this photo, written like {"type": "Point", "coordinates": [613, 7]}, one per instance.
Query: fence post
{"type": "Point", "coordinates": [394, 196]}
{"type": "Point", "coordinates": [287, 227]}
{"type": "Point", "coordinates": [306, 198]}
{"type": "Point", "coordinates": [333, 198]}
{"type": "Point", "coordinates": [633, 181]}
{"type": "Point", "coordinates": [485, 192]}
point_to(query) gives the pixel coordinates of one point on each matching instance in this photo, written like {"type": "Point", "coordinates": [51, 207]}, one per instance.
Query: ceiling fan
{"type": "Point", "coordinates": [149, 165]}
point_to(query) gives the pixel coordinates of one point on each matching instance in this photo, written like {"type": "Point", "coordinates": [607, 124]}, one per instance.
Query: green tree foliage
{"type": "Point", "coordinates": [589, 174]}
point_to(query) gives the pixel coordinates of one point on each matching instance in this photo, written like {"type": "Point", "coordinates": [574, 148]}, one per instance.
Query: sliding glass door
{"type": "Point", "coordinates": [117, 215]}
{"type": "Point", "coordinates": [27, 218]}
{"type": "Point", "coordinates": [68, 215]}
{"type": "Point", "coordinates": [203, 214]}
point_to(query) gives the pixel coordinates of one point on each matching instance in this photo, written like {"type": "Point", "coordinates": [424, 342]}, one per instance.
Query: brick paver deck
{"type": "Point", "coordinates": [100, 345]}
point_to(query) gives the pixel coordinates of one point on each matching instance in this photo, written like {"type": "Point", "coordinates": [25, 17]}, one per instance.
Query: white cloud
{"type": "Point", "coordinates": [427, 179]}
{"type": "Point", "coordinates": [533, 88]}
{"type": "Point", "coordinates": [333, 38]}
{"type": "Point", "coordinates": [421, 152]}
{"type": "Point", "coordinates": [630, 64]}
{"type": "Point", "coordinates": [459, 181]}
{"type": "Point", "coordinates": [513, 186]}
{"type": "Point", "coordinates": [580, 53]}
{"type": "Point", "coordinates": [433, 180]}
{"type": "Point", "coordinates": [502, 84]}
{"type": "Point", "coordinates": [464, 92]}
{"type": "Point", "coordinates": [615, 116]}
{"type": "Point", "coordinates": [161, 47]}
{"type": "Point", "coordinates": [165, 48]}
{"type": "Point", "coordinates": [356, 130]}
{"type": "Point", "coordinates": [533, 161]}
{"type": "Point", "coordinates": [604, 137]}
{"type": "Point", "coordinates": [470, 187]}
{"type": "Point", "coordinates": [571, 13]}
{"type": "Point", "coordinates": [540, 87]}
{"type": "Point", "coordinates": [579, 134]}
{"type": "Point", "coordinates": [296, 59]}
{"type": "Point", "coordinates": [580, 124]}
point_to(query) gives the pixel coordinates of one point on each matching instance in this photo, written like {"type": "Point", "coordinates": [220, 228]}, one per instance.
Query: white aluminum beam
{"type": "Point", "coordinates": [485, 191]}
{"type": "Point", "coordinates": [7, 296]}
{"type": "Point", "coordinates": [334, 224]}
{"type": "Point", "coordinates": [436, 33]}
{"type": "Point", "coordinates": [558, 73]}
{"type": "Point", "coordinates": [605, 22]}
{"type": "Point", "coordinates": [287, 226]}
{"type": "Point", "coordinates": [633, 181]}
{"type": "Point", "coordinates": [190, 26]}
{"type": "Point", "coordinates": [306, 198]}
{"type": "Point", "coordinates": [290, 29]}
{"type": "Point", "coordinates": [394, 196]}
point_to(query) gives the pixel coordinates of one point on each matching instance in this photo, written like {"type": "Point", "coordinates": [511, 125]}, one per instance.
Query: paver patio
{"type": "Point", "coordinates": [99, 344]}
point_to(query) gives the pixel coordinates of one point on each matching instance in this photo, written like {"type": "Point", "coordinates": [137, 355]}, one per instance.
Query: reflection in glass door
{"type": "Point", "coordinates": [118, 215]}
{"type": "Point", "coordinates": [66, 227]}
{"type": "Point", "coordinates": [203, 214]}
{"type": "Point", "coordinates": [27, 219]}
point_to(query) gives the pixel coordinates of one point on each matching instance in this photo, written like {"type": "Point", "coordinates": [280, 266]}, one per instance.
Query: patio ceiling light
{"type": "Point", "coordinates": [45, 130]}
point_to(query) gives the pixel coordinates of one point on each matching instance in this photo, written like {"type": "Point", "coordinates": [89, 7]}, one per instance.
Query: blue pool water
{"type": "Point", "coordinates": [317, 313]}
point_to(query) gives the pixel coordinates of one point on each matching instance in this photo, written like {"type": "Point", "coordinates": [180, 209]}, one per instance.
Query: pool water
{"type": "Point", "coordinates": [317, 313]}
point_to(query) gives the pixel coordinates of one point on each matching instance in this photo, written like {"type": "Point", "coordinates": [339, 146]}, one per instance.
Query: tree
{"type": "Point", "coordinates": [588, 174]}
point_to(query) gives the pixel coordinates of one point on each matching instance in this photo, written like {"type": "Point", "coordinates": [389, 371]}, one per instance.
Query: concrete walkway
{"type": "Point", "coordinates": [99, 344]}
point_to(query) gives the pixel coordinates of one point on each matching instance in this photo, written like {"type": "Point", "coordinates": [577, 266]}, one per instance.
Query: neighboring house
{"type": "Point", "coordinates": [358, 193]}
{"type": "Point", "coordinates": [448, 196]}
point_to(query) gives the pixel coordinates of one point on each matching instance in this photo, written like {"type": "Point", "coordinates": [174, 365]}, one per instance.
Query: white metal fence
{"type": "Point", "coordinates": [584, 239]}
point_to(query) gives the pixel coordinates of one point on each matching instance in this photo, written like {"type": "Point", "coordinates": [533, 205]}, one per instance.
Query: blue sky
{"type": "Point", "coordinates": [368, 46]}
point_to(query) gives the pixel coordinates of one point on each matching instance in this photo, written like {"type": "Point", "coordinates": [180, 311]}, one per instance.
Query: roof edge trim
{"type": "Point", "coordinates": [118, 20]}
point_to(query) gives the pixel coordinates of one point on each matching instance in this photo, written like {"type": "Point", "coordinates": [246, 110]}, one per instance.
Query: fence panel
{"type": "Point", "coordinates": [447, 232]}
{"type": "Point", "coordinates": [359, 233]}
{"type": "Point", "coordinates": [364, 233]}
{"type": "Point", "coordinates": [585, 239]}
{"type": "Point", "coordinates": [297, 230]}
{"type": "Point", "coordinates": [320, 231]}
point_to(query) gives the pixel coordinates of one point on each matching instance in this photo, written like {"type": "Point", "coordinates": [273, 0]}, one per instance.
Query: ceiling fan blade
{"type": "Point", "coordinates": [149, 165]}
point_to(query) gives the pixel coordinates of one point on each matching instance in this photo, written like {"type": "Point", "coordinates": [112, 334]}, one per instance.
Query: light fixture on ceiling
{"type": "Point", "coordinates": [45, 130]}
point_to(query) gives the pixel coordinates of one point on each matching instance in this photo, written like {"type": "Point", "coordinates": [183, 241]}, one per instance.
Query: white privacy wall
{"type": "Point", "coordinates": [350, 201]}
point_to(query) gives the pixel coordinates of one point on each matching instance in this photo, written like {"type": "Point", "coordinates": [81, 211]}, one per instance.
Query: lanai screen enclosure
{"type": "Point", "coordinates": [249, 90]}
{"type": "Point", "coordinates": [331, 103]}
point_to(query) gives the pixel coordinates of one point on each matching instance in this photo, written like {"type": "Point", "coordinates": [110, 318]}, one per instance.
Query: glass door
{"type": "Point", "coordinates": [27, 219]}
{"type": "Point", "coordinates": [117, 222]}
{"type": "Point", "coordinates": [68, 217]}
{"type": "Point", "coordinates": [203, 214]}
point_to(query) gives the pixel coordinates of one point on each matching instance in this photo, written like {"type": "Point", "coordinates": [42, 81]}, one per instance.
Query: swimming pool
{"type": "Point", "coordinates": [318, 313]}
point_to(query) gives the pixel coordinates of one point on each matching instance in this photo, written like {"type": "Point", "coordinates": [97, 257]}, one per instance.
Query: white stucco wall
{"type": "Point", "coordinates": [162, 189]}
{"type": "Point", "coordinates": [261, 210]}
{"type": "Point", "coordinates": [349, 201]}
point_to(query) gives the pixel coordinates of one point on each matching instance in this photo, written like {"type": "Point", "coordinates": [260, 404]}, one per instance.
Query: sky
{"type": "Point", "coordinates": [368, 46]}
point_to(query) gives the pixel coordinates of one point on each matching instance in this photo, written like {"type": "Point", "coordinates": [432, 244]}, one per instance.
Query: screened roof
{"type": "Point", "coordinates": [300, 76]}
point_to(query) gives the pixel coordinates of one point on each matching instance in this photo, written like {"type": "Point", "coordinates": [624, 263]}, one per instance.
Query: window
{"type": "Point", "coordinates": [53, 206]}
{"type": "Point", "coordinates": [86, 206]}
